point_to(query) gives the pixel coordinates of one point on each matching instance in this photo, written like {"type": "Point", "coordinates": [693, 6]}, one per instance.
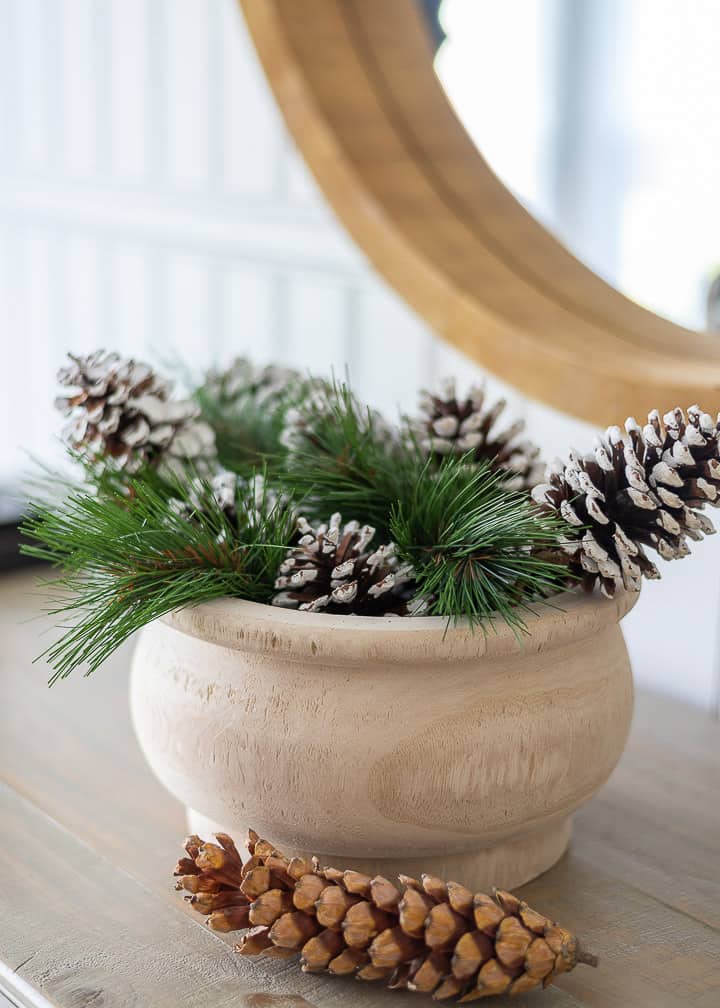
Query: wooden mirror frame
{"type": "Point", "coordinates": [355, 82]}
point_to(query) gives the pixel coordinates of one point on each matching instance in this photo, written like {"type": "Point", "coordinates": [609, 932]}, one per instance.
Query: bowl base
{"type": "Point", "coordinates": [507, 865]}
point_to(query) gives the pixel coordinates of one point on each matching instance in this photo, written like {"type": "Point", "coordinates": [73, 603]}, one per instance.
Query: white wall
{"type": "Point", "coordinates": [150, 200]}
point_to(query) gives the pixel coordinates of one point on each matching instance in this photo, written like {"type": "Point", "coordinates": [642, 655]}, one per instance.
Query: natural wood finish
{"type": "Point", "coordinates": [355, 82]}
{"type": "Point", "coordinates": [453, 752]}
{"type": "Point", "coordinates": [88, 914]}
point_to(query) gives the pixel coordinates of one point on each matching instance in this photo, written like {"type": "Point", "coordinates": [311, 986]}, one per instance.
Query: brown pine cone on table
{"type": "Point", "coordinates": [644, 488]}
{"type": "Point", "coordinates": [424, 935]}
{"type": "Point", "coordinates": [333, 569]}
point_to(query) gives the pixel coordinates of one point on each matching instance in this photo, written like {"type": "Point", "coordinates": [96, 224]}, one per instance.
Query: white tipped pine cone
{"type": "Point", "coordinates": [456, 426]}
{"type": "Point", "coordinates": [332, 569]}
{"type": "Point", "coordinates": [122, 416]}
{"type": "Point", "coordinates": [643, 488]}
{"type": "Point", "coordinates": [241, 378]}
{"type": "Point", "coordinates": [244, 502]}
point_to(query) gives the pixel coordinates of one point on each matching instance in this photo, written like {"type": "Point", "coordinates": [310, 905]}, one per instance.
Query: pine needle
{"type": "Point", "coordinates": [346, 458]}
{"type": "Point", "coordinates": [246, 418]}
{"type": "Point", "coordinates": [127, 556]}
{"type": "Point", "coordinates": [126, 560]}
{"type": "Point", "coordinates": [474, 544]}
{"type": "Point", "coordinates": [476, 547]}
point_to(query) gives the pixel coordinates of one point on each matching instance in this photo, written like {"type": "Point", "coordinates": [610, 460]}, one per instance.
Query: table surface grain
{"type": "Point", "coordinates": [89, 916]}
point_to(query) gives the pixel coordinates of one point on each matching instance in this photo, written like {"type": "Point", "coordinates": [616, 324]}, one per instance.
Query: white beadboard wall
{"type": "Point", "coordinates": [151, 201]}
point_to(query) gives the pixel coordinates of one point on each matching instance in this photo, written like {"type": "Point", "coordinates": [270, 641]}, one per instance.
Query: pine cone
{"type": "Point", "coordinates": [641, 489]}
{"type": "Point", "coordinates": [452, 426]}
{"type": "Point", "coordinates": [123, 417]}
{"type": "Point", "coordinates": [331, 570]}
{"type": "Point", "coordinates": [243, 502]}
{"type": "Point", "coordinates": [241, 379]}
{"type": "Point", "coordinates": [429, 936]}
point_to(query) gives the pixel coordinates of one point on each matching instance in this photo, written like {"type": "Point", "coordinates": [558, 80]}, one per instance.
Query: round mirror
{"type": "Point", "coordinates": [598, 136]}
{"type": "Point", "coordinates": [599, 115]}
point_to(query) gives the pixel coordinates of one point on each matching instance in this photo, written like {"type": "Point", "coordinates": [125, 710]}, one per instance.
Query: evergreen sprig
{"type": "Point", "coordinates": [476, 547]}
{"type": "Point", "coordinates": [127, 558]}
{"type": "Point", "coordinates": [246, 407]}
{"type": "Point", "coordinates": [247, 433]}
{"type": "Point", "coordinates": [344, 457]}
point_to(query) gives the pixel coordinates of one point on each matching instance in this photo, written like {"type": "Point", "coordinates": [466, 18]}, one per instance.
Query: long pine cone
{"type": "Point", "coordinates": [426, 935]}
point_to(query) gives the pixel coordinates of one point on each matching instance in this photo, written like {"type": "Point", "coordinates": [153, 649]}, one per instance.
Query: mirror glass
{"type": "Point", "coordinates": [601, 116]}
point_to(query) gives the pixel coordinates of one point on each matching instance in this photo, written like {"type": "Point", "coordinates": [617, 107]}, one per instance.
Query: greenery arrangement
{"type": "Point", "coordinates": [239, 489]}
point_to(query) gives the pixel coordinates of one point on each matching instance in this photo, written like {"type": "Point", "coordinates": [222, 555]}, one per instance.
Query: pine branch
{"type": "Point", "coordinates": [344, 457]}
{"type": "Point", "coordinates": [135, 546]}
{"type": "Point", "coordinates": [245, 433]}
{"type": "Point", "coordinates": [477, 548]}
{"type": "Point", "coordinates": [126, 561]}
{"type": "Point", "coordinates": [246, 406]}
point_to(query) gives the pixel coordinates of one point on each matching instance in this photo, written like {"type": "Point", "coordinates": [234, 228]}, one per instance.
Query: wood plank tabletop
{"type": "Point", "coordinates": [89, 916]}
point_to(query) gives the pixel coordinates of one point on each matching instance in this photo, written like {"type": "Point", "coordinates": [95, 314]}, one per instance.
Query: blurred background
{"type": "Point", "coordinates": [152, 202]}
{"type": "Point", "coordinates": [599, 115]}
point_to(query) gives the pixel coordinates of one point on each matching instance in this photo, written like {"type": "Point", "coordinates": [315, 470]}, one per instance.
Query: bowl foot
{"type": "Point", "coordinates": [506, 865]}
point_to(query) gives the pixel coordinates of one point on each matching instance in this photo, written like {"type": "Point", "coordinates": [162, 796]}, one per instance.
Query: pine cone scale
{"type": "Point", "coordinates": [472, 950]}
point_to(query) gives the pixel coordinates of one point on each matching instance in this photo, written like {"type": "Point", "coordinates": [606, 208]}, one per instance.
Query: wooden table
{"type": "Point", "coordinates": [89, 917]}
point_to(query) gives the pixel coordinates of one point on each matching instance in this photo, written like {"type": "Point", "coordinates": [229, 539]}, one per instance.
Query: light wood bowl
{"type": "Point", "coordinates": [390, 745]}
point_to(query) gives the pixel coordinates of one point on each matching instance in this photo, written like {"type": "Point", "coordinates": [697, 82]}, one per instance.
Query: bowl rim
{"type": "Point", "coordinates": [287, 633]}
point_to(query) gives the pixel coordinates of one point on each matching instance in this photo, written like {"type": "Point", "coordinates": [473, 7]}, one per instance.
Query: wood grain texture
{"type": "Point", "coordinates": [92, 836]}
{"type": "Point", "coordinates": [355, 82]}
{"type": "Point", "coordinates": [455, 752]}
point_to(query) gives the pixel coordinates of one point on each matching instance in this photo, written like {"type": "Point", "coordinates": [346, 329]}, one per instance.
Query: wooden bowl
{"type": "Point", "coordinates": [389, 745]}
